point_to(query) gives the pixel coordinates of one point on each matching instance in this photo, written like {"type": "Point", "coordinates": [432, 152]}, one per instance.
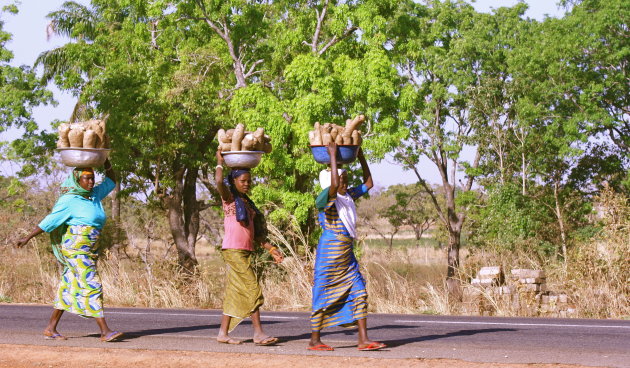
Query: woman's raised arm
{"type": "Point", "coordinates": [218, 177]}
{"type": "Point", "coordinates": [367, 175]}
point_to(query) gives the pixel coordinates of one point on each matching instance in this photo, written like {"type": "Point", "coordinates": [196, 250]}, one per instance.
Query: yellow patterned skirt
{"type": "Point", "coordinates": [243, 295]}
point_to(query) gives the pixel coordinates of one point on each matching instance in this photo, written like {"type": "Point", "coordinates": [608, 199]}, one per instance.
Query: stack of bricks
{"type": "Point", "coordinates": [556, 306]}
{"type": "Point", "coordinates": [529, 286]}
{"type": "Point", "coordinates": [487, 293]}
{"type": "Point", "coordinates": [525, 294]}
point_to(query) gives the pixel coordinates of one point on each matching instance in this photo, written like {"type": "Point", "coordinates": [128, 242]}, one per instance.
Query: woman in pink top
{"type": "Point", "coordinates": [243, 295]}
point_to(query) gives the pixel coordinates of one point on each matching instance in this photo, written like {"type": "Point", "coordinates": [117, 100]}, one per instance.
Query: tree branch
{"type": "Point", "coordinates": [335, 40]}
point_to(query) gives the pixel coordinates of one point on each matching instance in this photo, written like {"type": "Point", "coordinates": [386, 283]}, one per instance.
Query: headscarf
{"type": "Point", "coordinates": [70, 186]}
{"type": "Point", "coordinates": [325, 177]}
{"type": "Point", "coordinates": [239, 198]}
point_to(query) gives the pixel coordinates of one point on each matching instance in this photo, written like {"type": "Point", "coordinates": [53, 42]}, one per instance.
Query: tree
{"type": "Point", "coordinates": [412, 207]}
{"type": "Point", "coordinates": [157, 85]}
{"type": "Point", "coordinates": [442, 64]}
{"type": "Point", "coordinates": [370, 212]}
{"type": "Point", "coordinates": [597, 60]}
{"type": "Point", "coordinates": [169, 75]}
{"type": "Point", "coordinates": [20, 91]}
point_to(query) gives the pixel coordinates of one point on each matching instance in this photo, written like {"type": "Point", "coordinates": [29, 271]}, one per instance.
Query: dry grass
{"type": "Point", "coordinates": [398, 281]}
{"type": "Point", "coordinates": [597, 274]}
{"type": "Point", "coordinates": [404, 280]}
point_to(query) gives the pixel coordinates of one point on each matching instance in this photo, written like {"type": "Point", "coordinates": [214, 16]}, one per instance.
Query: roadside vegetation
{"type": "Point", "coordinates": [524, 122]}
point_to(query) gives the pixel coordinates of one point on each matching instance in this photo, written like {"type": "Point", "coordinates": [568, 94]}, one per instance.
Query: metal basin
{"type": "Point", "coordinates": [242, 159]}
{"type": "Point", "coordinates": [83, 157]}
{"type": "Point", "coordinates": [345, 154]}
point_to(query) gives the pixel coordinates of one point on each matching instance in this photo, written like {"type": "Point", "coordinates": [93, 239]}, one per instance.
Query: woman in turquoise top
{"type": "Point", "coordinates": [74, 225]}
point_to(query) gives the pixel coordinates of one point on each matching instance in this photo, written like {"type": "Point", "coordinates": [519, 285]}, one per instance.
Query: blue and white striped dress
{"type": "Point", "coordinates": [339, 293]}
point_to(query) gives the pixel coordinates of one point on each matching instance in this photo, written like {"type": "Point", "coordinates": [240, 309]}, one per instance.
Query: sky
{"type": "Point", "coordinates": [28, 28]}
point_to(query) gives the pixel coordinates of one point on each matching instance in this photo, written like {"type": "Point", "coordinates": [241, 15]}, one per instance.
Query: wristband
{"type": "Point", "coordinates": [218, 167]}
{"type": "Point", "coordinates": [271, 249]}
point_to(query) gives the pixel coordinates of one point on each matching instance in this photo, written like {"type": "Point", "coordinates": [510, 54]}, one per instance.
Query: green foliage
{"type": "Point", "coordinates": [542, 103]}
{"type": "Point", "coordinates": [509, 221]}
{"type": "Point", "coordinates": [20, 92]}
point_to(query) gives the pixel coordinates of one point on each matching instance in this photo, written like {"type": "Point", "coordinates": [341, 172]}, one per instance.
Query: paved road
{"type": "Point", "coordinates": [478, 339]}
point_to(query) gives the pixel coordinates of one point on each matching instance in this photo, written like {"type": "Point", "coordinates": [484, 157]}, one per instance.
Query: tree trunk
{"type": "Point", "coordinates": [454, 227]}
{"type": "Point", "coordinates": [523, 174]}
{"type": "Point", "coordinates": [183, 217]}
{"type": "Point", "coordinates": [453, 282]}
{"type": "Point", "coordinates": [116, 202]}
{"type": "Point", "coordinates": [560, 217]}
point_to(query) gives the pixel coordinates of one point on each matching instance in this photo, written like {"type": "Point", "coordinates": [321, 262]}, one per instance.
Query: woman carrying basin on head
{"type": "Point", "coordinates": [74, 225]}
{"type": "Point", "coordinates": [243, 295]}
{"type": "Point", "coordinates": [339, 293]}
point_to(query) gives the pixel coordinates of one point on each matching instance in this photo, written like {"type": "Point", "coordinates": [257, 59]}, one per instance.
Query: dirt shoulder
{"type": "Point", "coordinates": [22, 356]}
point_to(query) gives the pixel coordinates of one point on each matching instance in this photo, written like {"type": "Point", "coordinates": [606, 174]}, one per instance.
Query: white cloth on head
{"type": "Point", "coordinates": [347, 212]}
{"type": "Point", "coordinates": [325, 177]}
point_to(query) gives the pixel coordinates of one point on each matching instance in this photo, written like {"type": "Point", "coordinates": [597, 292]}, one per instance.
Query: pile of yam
{"type": "Point", "coordinates": [238, 139]}
{"type": "Point", "coordinates": [327, 133]}
{"type": "Point", "coordinates": [85, 134]}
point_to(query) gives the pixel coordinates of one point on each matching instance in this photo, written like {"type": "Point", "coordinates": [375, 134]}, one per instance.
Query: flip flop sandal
{"type": "Point", "coordinates": [230, 341]}
{"type": "Point", "coordinates": [373, 346]}
{"type": "Point", "coordinates": [55, 336]}
{"type": "Point", "coordinates": [112, 336]}
{"type": "Point", "coordinates": [321, 347]}
{"type": "Point", "coordinates": [267, 341]}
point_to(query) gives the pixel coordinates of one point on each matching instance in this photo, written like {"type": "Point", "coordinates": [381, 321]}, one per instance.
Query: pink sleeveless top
{"type": "Point", "coordinates": [237, 236]}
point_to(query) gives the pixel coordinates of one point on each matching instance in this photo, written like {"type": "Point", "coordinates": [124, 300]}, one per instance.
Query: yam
{"type": "Point", "coordinates": [356, 136]}
{"type": "Point", "coordinates": [222, 136]}
{"type": "Point", "coordinates": [228, 135]}
{"type": "Point", "coordinates": [267, 147]}
{"type": "Point", "coordinates": [326, 139]}
{"type": "Point", "coordinates": [75, 136]}
{"type": "Point", "coordinates": [225, 147]}
{"type": "Point", "coordinates": [89, 139]}
{"type": "Point", "coordinates": [259, 134]}
{"type": "Point", "coordinates": [237, 137]}
{"type": "Point", "coordinates": [334, 133]}
{"type": "Point", "coordinates": [317, 141]}
{"type": "Point", "coordinates": [248, 143]}
{"type": "Point", "coordinates": [260, 146]}
{"type": "Point", "coordinates": [353, 124]}
{"type": "Point", "coordinates": [311, 137]}
{"type": "Point", "coordinates": [338, 139]}
{"type": "Point", "coordinates": [347, 139]}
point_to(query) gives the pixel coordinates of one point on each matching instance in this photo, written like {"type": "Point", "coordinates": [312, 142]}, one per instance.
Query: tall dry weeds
{"type": "Point", "coordinates": [597, 273]}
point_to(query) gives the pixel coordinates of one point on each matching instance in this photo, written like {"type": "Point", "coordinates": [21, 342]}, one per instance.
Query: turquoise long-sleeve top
{"type": "Point", "coordinates": [77, 210]}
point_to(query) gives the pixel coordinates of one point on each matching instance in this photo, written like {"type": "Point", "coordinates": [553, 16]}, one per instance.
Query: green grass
{"type": "Point", "coordinates": [402, 243]}
{"type": "Point", "coordinates": [5, 299]}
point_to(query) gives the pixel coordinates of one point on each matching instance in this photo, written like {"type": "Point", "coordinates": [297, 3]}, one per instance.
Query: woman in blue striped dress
{"type": "Point", "coordinates": [339, 293]}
